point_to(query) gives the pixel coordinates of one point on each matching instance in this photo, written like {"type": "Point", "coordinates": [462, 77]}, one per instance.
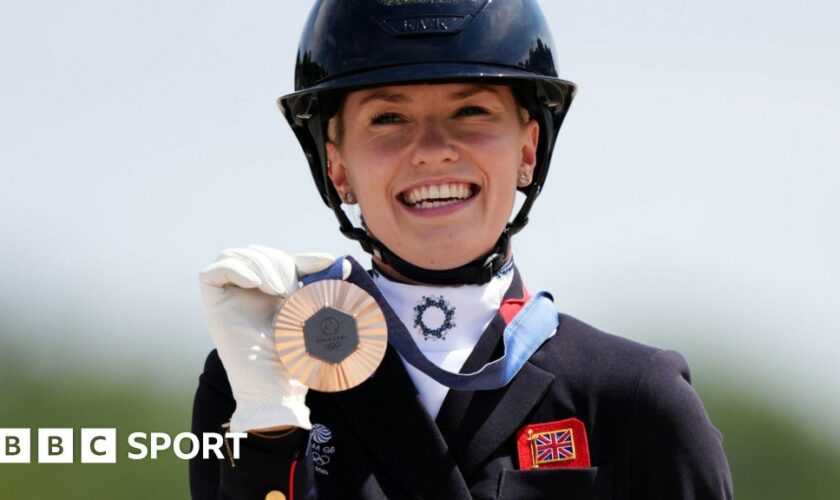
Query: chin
{"type": "Point", "coordinates": [439, 250]}
{"type": "Point", "coordinates": [440, 259]}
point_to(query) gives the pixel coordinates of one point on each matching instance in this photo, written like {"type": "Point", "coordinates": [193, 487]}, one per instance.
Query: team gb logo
{"type": "Point", "coordinates": [320, 449]}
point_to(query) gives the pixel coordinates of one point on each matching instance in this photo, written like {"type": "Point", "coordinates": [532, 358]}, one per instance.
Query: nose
{"type": "Point", "coordinates": [433, 145]}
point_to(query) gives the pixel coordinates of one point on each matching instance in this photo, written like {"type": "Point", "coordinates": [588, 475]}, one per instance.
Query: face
{"type": "Point", "coordinates": [434, 167]}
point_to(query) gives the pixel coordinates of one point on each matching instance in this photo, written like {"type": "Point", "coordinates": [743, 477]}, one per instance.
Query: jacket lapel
{"type": "Point", "coordinates": [400, 435]}
{"type": "Point", "coordinates": [396, 428]}
{"type": "Point", "coordinates": [477, 423]}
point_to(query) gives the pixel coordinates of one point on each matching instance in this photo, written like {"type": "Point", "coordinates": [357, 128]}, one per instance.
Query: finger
{"type": "Point", "coordinates": [310, 263]}
{"type": "Point", "coordinates": [230, 272]}
{"type": "Point", "coordinates": [230, 253]}
{"type": "Point", "coordinates": [275, 268]}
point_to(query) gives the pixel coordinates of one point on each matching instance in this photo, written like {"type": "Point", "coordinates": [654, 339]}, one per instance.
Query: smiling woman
{"type": "Point", "coordinates": [431, 115]}
{"type": "Point", "coordinates": [434, 167]}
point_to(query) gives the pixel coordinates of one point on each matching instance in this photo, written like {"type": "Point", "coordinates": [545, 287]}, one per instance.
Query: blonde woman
{"type": "Point", "coordinates": [431, 115]}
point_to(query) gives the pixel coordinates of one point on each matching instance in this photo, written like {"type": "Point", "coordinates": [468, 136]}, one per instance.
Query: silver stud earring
{"type": "Point", "coordinates": [524, 180]}
{"type": "Point", "coordinates": [349, 198]}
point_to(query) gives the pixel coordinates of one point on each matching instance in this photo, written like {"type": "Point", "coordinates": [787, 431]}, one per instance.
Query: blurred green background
{"type": "Point", "coordinates": [70, 396]}
{"type": "Point", "coordinates": [772, 454]}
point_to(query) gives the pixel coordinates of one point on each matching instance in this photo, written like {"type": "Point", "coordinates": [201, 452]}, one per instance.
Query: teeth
{"type": "Point", "coordinates": [435, 204]}
{"type": "Point", "coordinates": [437, 195]}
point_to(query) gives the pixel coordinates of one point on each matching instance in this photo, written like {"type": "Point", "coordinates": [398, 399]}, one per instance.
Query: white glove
{"type": "Point", "coordinates": [242, 292]}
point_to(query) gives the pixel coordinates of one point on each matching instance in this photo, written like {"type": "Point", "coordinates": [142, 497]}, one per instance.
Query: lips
{"type": "Point", "coordinates": [438, 195]}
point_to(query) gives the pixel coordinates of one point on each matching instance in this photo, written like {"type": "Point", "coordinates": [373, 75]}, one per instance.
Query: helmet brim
{"type": "Point", "coordinates": [427, 73]}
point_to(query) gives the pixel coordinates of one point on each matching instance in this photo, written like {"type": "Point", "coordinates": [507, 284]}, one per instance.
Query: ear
{"type": "Point", "coordinates": [337, 171]}
{"type": "Point", "coordinates": [530, 141]}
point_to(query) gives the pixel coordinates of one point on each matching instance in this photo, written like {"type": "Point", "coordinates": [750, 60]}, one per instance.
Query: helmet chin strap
{"type": "Point", "coordinates": [477, 272]}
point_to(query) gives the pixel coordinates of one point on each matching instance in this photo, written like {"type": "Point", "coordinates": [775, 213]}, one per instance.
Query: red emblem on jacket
{"type": "Point", "coordinates": [553, 445]}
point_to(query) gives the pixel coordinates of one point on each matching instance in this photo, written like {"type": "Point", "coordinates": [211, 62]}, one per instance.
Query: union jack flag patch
{"type": "Point", "coordinates": [553, 445]}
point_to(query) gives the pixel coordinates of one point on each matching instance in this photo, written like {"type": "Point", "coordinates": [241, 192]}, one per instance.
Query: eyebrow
{"type": "Point", "coordinates": [396, 97]}
{"type": "Point", "coordinates": [471, 91]}
{"type": "Point", "coordinates": [381, 95]}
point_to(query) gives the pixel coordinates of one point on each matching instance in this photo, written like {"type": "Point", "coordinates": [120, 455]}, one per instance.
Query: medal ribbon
{"type": "Point", "coordinates": [534, 324]}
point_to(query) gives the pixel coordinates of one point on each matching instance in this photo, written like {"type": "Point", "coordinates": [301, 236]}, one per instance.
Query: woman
{"type": "Point", "coordinates": [430, 115]}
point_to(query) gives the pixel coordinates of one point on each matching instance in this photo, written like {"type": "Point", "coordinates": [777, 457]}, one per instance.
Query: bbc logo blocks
{"type": "Point", "coordinates": [14, 446]}
{"type": "Point", "coordinates": [99, 446]}
{"type": "Point", "coordinates": [55, 446]}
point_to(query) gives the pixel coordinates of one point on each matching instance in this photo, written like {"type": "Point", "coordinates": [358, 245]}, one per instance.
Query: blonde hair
{"type": "Point", "coordinates": [333, 128]}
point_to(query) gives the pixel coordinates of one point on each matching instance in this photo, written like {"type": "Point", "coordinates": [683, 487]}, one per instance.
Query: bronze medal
{"type": "Point", "coordinates": [331, 335]}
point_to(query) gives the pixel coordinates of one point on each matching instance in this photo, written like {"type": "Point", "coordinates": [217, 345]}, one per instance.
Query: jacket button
{"type": "Point", "coordinates": [275, 495]}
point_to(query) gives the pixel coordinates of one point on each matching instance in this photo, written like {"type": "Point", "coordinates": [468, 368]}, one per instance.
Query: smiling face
{"type": "Point", "coordinates": [434, 167]}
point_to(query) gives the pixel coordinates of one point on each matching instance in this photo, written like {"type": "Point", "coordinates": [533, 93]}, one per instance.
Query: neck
{"type": "Point", "coordinates": [392, 274]}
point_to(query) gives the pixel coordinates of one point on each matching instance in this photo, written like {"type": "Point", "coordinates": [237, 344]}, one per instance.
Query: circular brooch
{"type": "Point", "coordinates": [434, 306]}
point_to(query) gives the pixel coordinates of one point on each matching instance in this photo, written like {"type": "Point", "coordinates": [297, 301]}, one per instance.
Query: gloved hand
{"type": "Point", "coordinates": [242, 292]}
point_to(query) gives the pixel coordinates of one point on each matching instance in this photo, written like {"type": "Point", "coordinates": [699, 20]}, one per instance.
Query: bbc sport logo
{"type": "Point", "coordinates": [99, 446]}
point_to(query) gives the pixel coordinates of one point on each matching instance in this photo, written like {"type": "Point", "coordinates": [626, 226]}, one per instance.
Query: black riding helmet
{"type": "Point", "coordinates": [353, 44]}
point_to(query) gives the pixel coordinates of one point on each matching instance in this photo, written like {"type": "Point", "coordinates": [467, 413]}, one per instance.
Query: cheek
{"type": "Point", "coordinates": [371, 176]}
{"type": "Point", "coordinates": [489, 139]}
{"type": "Point", "coordinates": [499, 159]}
{"type": "Point", "coordinates": [378, 143]}
{"type": "Point", "coordinates": [499, 145]}
{"type": "Point", "coordinates": [372, 159]}
{"type": "Point", "coordinates": [368, 160]}
{"type": "Point", "coordinates": [372, 167]}
{"type": "Point", "coordinates": [371, 193]}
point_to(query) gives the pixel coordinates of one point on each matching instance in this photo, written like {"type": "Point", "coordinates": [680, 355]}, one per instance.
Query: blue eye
{"type": "Point", "coordinates": [472, 111]}
{"type": "Point", "coordinates": [385, 119]}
